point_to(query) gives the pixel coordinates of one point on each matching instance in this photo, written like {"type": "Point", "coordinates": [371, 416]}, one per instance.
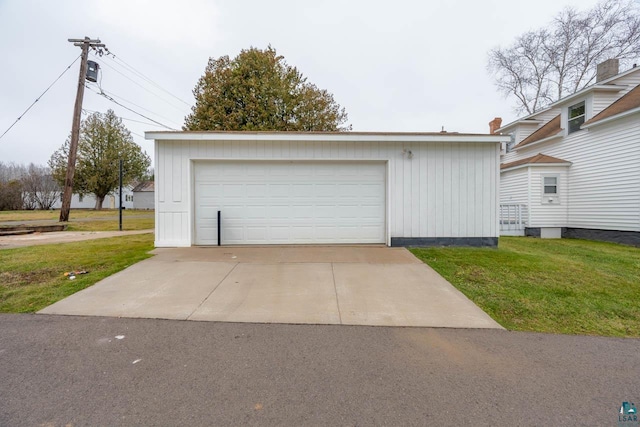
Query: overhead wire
{"type": "Point", "coordinates": [41, 95]}
{"type": "Point", "coordinates": [84, 110]}
{"type": "Point", "coordinates": [111, 94]}
{"type": "Point", "coordinates": [181, 109]}
{"type": "Point", "coordinates": [102, 93]}
{"type": "Point", "coordinates": [123, 63]}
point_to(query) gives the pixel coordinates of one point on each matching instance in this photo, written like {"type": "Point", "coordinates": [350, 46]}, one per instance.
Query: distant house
{"type": "Point", "coordinates": [88, 201]}
{"type": "Point", "coordinates": [144, 195]}
{"type": "Point", "coordinates": [573, 169]}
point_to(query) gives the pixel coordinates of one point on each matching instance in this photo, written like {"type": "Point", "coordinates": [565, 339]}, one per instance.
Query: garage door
{"type": "Point", "coordinates": [289, 202]}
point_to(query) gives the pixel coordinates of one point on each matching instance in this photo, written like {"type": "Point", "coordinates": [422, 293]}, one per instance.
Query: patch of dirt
{"type": "Point", "coordinates": [14, 279]}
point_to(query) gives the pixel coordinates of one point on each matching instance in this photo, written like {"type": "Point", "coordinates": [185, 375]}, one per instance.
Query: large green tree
{"type": "Point", "coordinates": [104, 140]}
{"type": "Point", "coordinates": [259, 91]}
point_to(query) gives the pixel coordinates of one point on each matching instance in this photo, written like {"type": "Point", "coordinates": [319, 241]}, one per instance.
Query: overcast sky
{"type": "Point", "coordinates": [411, 66]}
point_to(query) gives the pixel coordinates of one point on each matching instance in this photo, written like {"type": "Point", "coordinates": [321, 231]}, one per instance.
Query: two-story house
{"type": "Point", "coordinates": [573, 169]}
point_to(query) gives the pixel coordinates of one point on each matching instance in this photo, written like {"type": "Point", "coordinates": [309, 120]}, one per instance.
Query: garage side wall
{"type": "Point", "coordinates": [443, 193]}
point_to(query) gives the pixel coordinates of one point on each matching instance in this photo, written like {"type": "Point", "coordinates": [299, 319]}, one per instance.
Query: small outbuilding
{"type": "Point", "coordinates": [144, 195]}
{"type": "Point", "coordinates": [396, 189]}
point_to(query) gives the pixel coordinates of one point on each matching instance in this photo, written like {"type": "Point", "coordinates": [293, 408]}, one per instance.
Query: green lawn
{"type": "Point", "coordinates": [87, 220]}
{"type": "Point", "coordinates": [32, 278]}
{"type": "Point", "coordinates": [37, 215]}
{"type": "Point", "coordinates": [128, 223]}
{"type": "Point", "coordinates": [558, 286]}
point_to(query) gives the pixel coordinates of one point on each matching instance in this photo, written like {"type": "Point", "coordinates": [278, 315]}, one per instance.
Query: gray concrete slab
{"type": "Point", "coordinates": [356, 285]}
{"type": "Point", "coordinates": [274, 293]}
{"type": "Point", "coordinates": [403, 295]}
{"type": "Point", "coordinates": [290, 254]}
{"type": "Point", "coordinates": [152, 288]}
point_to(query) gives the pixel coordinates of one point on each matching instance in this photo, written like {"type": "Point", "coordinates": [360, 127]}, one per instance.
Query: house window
{"type": "Point", "coordinates": [576, 117]}
{"type": "Point", "coordinates": [512, 142]}
{"type": "Point", "coordinates": [550, 185]}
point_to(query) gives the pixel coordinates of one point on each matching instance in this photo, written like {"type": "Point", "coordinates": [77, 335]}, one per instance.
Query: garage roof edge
{"type": "Point", "coordinates": [327, 136]}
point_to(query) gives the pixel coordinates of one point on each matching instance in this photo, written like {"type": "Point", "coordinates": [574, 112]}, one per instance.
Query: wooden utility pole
{"type": "Point", "coordinates": [84, 44]}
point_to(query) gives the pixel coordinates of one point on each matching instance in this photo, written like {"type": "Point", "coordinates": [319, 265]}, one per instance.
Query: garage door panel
{"type": "Point", "coordinates": [256, 190]}
{"type": "Point", "coordinates": [279, 190]}
{"type": "Point", "coordinates": [259, 234]}
{"type": "Point", "coordinates": [284, 202]}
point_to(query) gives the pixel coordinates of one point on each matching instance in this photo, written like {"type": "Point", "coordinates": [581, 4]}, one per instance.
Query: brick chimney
{"type": "Point", "coordinates": [606, 69]}
{"type": "Point", "coordinates": [494, 125]}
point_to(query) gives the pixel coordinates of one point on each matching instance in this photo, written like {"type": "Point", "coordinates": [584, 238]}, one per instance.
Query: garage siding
{"type": "Point", "coordinates": [444, 190]}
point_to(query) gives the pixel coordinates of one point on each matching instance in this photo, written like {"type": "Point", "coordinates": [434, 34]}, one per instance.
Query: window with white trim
{"type": "Point", "coordinates": [550, 185]}
{"type": "Point", "coordinates": [550, 189]}
{"type": "Point", "coordinates": [576, 116]}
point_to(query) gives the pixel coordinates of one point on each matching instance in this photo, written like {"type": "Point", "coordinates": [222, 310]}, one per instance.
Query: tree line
{"type": "Point", "coordinates": [27, 187]}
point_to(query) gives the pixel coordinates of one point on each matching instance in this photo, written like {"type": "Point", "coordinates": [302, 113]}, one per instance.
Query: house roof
{"type": "Point", "coordinates": [538, 158]}
{"type": "Point", "coordinates": [551, 128]}
{"type": "Point", "coordinates": [628, 102]}
{"type": "Point", "coordinates": [604, 85]}
{"type": "Point", "coordinates": [398, 137]}
{"type": "Point", "coordinates": [144, 186]}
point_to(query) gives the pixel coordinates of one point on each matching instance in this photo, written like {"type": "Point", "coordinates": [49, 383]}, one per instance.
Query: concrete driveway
{"type": "Point", "coordinates": [351, 285]}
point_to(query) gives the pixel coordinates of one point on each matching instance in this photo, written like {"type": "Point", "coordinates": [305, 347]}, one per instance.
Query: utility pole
{"type": "Point", "coordinates": [84, 44]}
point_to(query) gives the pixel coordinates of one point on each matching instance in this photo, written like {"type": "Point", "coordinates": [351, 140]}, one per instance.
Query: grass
{"type": "Point", "coordinates": [32, 278]}
{"type": "Point", "coordinates": [557, 286]}
{"type": "Point", "coordinates": [38, 215]}
{"type": "Point", "coordinates": [128, 224]}
{"type": "Point", "coordinates": [88, 220]}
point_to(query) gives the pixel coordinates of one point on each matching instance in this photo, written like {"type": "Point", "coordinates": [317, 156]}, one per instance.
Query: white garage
{"type": "Point", "coordinates": [398, 189]}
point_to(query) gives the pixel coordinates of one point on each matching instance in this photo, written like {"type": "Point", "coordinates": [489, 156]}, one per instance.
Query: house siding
{"type": "Point", "coordinates": [447, 190]}
{"type": "Point", "coordinates": [604, 188]}
{"type": "Point", "coordinates": [514, 186]}
{"type": "Point", "coordinates": [548, 214]}
{"type": "Point", "coordinates": [143, 200]}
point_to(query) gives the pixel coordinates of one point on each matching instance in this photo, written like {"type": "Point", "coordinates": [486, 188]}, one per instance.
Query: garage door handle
{"type": "Point", "coordinates": [219, 221]}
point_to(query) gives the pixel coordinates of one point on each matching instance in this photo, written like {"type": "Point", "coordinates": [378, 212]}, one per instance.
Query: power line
{"type": "Point", "coordinates": [145, 88]}
{"type": "Point", "coordinates": [124, 118]}
{"type": "Point", "coordinates": [110, 95]}
{"type": "Point", "coordinates": [131, 68]}
{"type": "Point", "coordinates": [127, 108]}
{"type": "Point", "coordinates": [137, 105]}
{"type": "Point", "coordinates": [41, 95]}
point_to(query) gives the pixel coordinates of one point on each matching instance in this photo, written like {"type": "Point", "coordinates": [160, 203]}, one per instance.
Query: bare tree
{"type": "Point", "coordinates": [40, 189]}
{"type": "Point", "coordinates": [10, 195]}
{"type": "Point", "coordinates": [11, 171]}
{"type": "Point", "coordinates": [544, 65]}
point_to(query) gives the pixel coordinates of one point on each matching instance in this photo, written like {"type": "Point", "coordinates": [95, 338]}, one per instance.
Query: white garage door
{"type": "Point", "coordinates": [283, 202]}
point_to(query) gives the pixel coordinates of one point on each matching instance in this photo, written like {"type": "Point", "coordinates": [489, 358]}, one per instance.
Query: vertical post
{"type": "Point", "coordinates": [219, 234]}
{"type": "Point", "coordinates": [120, 195]}
{"type": "Point", "coordinates": [520, 227]}
{"type": "Point", "coordinates": [75, 135]}
{"type": "Point", "coordinates": [84, 45]}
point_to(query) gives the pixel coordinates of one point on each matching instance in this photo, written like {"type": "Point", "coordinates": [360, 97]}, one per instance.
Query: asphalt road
{"type": "Point", "coordinates": [59, 371]}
